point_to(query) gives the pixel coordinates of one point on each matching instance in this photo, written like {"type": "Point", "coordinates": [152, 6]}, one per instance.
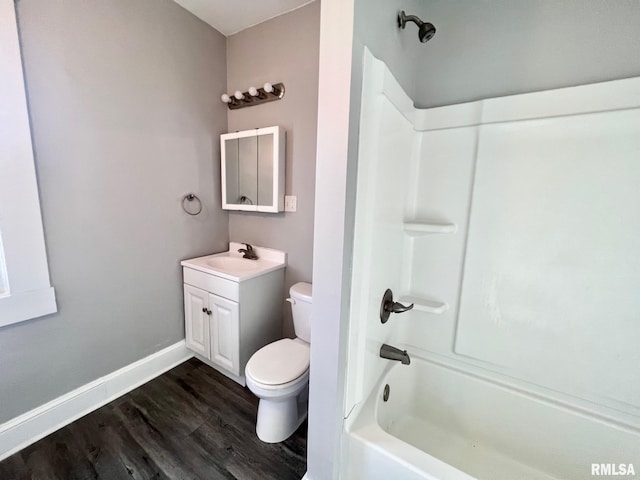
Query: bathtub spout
{"type": "Point", "coordinates": [393, 353]}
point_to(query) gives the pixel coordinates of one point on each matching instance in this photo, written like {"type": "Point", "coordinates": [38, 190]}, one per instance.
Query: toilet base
{"type": "Point", "coordinates": [278, 419]}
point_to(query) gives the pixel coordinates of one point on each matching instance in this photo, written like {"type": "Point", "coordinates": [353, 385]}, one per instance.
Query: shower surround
{"type": "Point", "coordinates": [511, 224]}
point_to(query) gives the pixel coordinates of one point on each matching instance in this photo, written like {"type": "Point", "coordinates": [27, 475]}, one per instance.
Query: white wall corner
{"type": "Point", "coordinates": [35, 424]}
{"type": "Point", "coordinates": [332, 239]}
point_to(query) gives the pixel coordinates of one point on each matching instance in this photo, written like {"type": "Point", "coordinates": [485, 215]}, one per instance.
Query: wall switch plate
{"type": "Point", "coordinates": [290, 203]}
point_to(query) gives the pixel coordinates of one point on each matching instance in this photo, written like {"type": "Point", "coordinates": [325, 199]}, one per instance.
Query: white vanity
{"type": "Point", "coordinates": [233, 306]}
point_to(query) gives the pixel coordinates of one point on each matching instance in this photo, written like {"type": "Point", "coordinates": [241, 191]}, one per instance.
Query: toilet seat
{"type": "Point", "coordinates": [279, 364]}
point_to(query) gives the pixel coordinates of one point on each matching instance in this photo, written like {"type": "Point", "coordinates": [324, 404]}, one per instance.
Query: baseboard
{"type": "Point", "coordinates": [31, 426]}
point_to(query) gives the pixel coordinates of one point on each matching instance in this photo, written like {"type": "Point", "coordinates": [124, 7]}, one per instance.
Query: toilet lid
{"type": "Point", "coordinates": [279, 362]}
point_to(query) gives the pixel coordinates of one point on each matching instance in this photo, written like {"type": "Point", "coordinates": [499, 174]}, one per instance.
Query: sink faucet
{"type": "Point", "coordinates": [248, 252]}
{"type": "Point", "coordinates": [393, 353]}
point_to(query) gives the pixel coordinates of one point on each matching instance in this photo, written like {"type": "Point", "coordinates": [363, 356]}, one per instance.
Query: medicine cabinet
{"type": "Point", "coordinates": [252, 165]}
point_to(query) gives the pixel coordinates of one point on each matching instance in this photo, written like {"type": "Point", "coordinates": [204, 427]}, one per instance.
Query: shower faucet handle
{"type": "Point", "coordinates": [388, 306]}
{"type": "Point", "coordinates": [395, 307]}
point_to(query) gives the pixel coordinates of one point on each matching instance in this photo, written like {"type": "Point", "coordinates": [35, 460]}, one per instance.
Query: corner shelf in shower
{"type": "Point", "coordinates": [418, 229]}
{"type": "Point", "coordinates": [425, 305]}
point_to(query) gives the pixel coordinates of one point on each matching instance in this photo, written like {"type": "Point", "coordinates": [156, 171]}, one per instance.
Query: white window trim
{"type": "Point", "coordinates": [25, 289]}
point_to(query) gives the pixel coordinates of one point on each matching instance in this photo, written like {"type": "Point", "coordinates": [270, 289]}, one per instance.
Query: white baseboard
{"type": "Point", "coordinates": [31, 426]}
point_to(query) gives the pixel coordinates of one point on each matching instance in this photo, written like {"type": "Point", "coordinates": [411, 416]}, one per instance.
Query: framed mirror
{"type": "Point", "coordinates": [252, 166]}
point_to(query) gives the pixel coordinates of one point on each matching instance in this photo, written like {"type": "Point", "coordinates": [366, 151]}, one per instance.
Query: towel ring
{"type": "Point", "coordinates": [190, 197]}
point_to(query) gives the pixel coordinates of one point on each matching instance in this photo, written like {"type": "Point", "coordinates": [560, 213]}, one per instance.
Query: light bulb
{"type": "Point", "coordinates": [239, 95]}
{"type": "Point", "coordinates": [268, 87]}
{"type": "Point", "coordinates": [225, 98]}
{"type": "Point", "coordinates": [253, 91]}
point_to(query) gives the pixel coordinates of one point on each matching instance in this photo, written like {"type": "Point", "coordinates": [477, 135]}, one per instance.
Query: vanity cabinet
{"type": "Point", "coordinates": [252, 167]}
{"type": "Point", "coordinates": [231, 315]}
{"type": "Point", "coordinates": [212, 327]}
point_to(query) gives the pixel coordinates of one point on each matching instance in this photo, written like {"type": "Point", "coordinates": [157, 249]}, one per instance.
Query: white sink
{"type": "Point", "coordinates": [232, 266]}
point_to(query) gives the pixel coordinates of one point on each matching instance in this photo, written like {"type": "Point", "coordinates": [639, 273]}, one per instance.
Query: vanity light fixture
{"type": "Point", "coordinates": [253, 96]}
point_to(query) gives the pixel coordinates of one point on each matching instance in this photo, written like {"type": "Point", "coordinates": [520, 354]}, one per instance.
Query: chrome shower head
{"type": "Point", "coordinates": [426, 30]}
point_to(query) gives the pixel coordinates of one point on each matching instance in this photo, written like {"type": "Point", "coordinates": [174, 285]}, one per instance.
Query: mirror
{"type": "Point", "coordinates": [252, 165]}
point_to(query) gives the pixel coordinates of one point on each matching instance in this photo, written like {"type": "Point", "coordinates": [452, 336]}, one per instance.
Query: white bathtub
{"type": "Point", "coordinates": [445, 424]}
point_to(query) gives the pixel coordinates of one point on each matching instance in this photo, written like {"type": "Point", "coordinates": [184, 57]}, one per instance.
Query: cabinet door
{"type": "Point", "coordinates": [248, 170]}
{"type": "Point", "coordinates": [196, 306]}
{"type": "Point", "coordinates": [231, 167]}
{"type": "Point", "coordinates": [266, 158]}
{"type": "Point", "coordinates": [225, 333]}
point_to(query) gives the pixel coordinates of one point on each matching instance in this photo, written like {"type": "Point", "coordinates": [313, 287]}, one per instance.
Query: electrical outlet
{"type": "Point", "coordinates": [290, 203]}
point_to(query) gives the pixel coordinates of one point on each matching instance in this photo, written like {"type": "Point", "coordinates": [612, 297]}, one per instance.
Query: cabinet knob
{"type": "Point", "coordinates": [204, 310]}
{"type": "Point", "coordinates": [208, 312]}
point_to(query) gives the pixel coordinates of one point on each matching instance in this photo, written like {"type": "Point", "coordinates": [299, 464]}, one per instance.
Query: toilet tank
{"type": "Point", "coordinates": [301, 310]}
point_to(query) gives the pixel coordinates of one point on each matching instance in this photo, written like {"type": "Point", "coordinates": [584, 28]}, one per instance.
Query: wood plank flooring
{"type": "Point", "coordinates": [190, 423]}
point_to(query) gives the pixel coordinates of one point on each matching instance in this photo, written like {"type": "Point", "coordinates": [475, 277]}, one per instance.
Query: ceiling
{"type": "Point", "coordinates": [231, 17]}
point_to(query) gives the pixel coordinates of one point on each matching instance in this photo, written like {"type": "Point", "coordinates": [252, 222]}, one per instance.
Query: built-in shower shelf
{"type": "Point", "coordinates": [418, 229]}
{"type": "Point", "coordinates": [425, 305]}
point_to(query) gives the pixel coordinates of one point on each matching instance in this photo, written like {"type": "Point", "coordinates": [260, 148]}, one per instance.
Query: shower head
{"type": "Point", "coordinates": [426, 30]}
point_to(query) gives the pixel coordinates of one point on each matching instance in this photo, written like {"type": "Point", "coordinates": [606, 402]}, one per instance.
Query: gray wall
{"type": "Point", "coordinates": [376, 26]}
{"type": "Point", "coordinates": [485, 49]}
{"type": "Point", "coordinates": [125, 111]}
{"type": "Point", "coordinates": [283, 49]}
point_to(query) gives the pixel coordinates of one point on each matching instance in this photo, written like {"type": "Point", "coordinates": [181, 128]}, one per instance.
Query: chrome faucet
{"type": "Point", "coordinates": [248, 252]}
{"type": "Point", "coordinates": [393, 353]}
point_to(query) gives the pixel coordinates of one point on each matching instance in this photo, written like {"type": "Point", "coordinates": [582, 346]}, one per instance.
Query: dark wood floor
{"type": "Point", "coordinates": [190, 423]}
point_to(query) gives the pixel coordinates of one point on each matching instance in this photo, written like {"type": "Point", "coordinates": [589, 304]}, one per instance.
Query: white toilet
{"type": "Point", "coordinates": [278, 374]}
